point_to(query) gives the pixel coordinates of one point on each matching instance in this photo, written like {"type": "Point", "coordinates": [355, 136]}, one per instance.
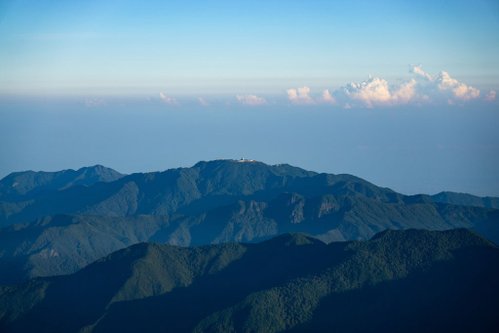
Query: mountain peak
{"type": "Point", "coordinates": [24, 183]}
{"type": "Point", "coordinates": [101, 172]}
{"type": "Point", "coordinates": [96, 167]}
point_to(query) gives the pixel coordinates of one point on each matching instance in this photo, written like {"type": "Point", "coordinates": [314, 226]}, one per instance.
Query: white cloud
{"type": "Point", "coordinates": [251, 100]}
{"type": "Point", "coordinates": [491, 96]}
{"type": "Point", "coordinates": [300, 95]}
{"type": "Point", "coordinates": [422, 89]}
{"type": "Point", "coordinates": [327, 97]}
{"type": "Point", "coordinates": [459, 90]}
{"type": "Point", "coordinates": [370, 92]}
{"type": "Point", "coordinates": [375, 92]}
{"type": "Point", "coordinates": [444, 86]}
{"type": "Point", "coordinates": [419, 71]}
{"type": "Point", "coordinates": [167, 99]}
{"type": "Point", "coordinates": [405, 93]}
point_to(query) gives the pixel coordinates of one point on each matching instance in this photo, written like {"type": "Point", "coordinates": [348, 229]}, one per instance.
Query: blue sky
{"type": "Point", "coordinates": [402, 93]}
{"type": "Point", "coordinates": [246, 47]}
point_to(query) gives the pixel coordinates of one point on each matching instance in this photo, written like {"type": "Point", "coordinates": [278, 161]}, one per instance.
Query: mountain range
{"type": "Point", "coordinates": [57, 223]}
{"type": "Point", "coordinates": [399, 281]}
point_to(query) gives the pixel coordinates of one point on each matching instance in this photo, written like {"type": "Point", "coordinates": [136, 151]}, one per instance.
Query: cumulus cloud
{"type": "Point", "coordinates": [422, 88]}
{"type": "Point", "coordinates": [251, 100]}
{"type": "Point", "coordinates": [459, 90]}
{"type": "Point", "coordinates": [405, 93]}
{"type": "Point", "coordinates": [444, 86]}
{"type": "Point", "coordinates": [375, 92]}
{"type": "Point", "coordinates": [167, 99]}
{"type": "Point", "coordinates": [327, 97]}
{"type": "Point", "coordinates": [300, 95]}
{"type": "Point", "coordinates": [418, 70]}
{"type": "Point", "coordinates": [370, 92]}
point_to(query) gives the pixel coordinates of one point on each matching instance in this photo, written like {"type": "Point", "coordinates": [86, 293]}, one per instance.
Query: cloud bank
{"type": "Point", "coordinates": [423, 88]}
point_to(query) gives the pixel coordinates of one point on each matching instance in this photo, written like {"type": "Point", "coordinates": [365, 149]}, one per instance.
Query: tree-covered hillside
{"type": "Point", "coordinates": [399, 281]}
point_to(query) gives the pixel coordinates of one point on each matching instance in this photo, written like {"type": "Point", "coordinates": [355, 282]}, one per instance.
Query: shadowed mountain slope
{"type": "Point", "coordinates": [63, 244]}
{"type": "Point", "coordinates": [292, 282]}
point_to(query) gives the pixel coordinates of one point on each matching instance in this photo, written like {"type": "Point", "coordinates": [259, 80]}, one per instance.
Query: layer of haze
{"type": "Point", "coordinates": [412, 150]}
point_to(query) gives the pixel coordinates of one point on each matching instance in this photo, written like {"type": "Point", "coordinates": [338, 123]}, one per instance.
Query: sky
{"type": "Point", "coordinates": [402, 93]}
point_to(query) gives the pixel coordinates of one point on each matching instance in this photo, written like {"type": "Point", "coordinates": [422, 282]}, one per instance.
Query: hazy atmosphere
{"type": "Point", "coordinates": [400, 93]}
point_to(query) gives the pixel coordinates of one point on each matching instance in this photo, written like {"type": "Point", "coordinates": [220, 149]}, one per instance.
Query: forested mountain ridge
{"type": "Point", "coordinates": [426, 280]}
{"type": "Point", "coordinates": [63, 228]}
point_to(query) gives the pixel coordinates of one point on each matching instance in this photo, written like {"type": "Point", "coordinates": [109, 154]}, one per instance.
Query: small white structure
{"type": "Point", "coordinates": [244, 160]}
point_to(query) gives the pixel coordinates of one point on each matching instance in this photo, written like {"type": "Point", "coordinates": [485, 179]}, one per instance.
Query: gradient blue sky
{"type": "Point", "coordinates": [261, 47]}
{"type": "Point", "coordinates": [150, 85]}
